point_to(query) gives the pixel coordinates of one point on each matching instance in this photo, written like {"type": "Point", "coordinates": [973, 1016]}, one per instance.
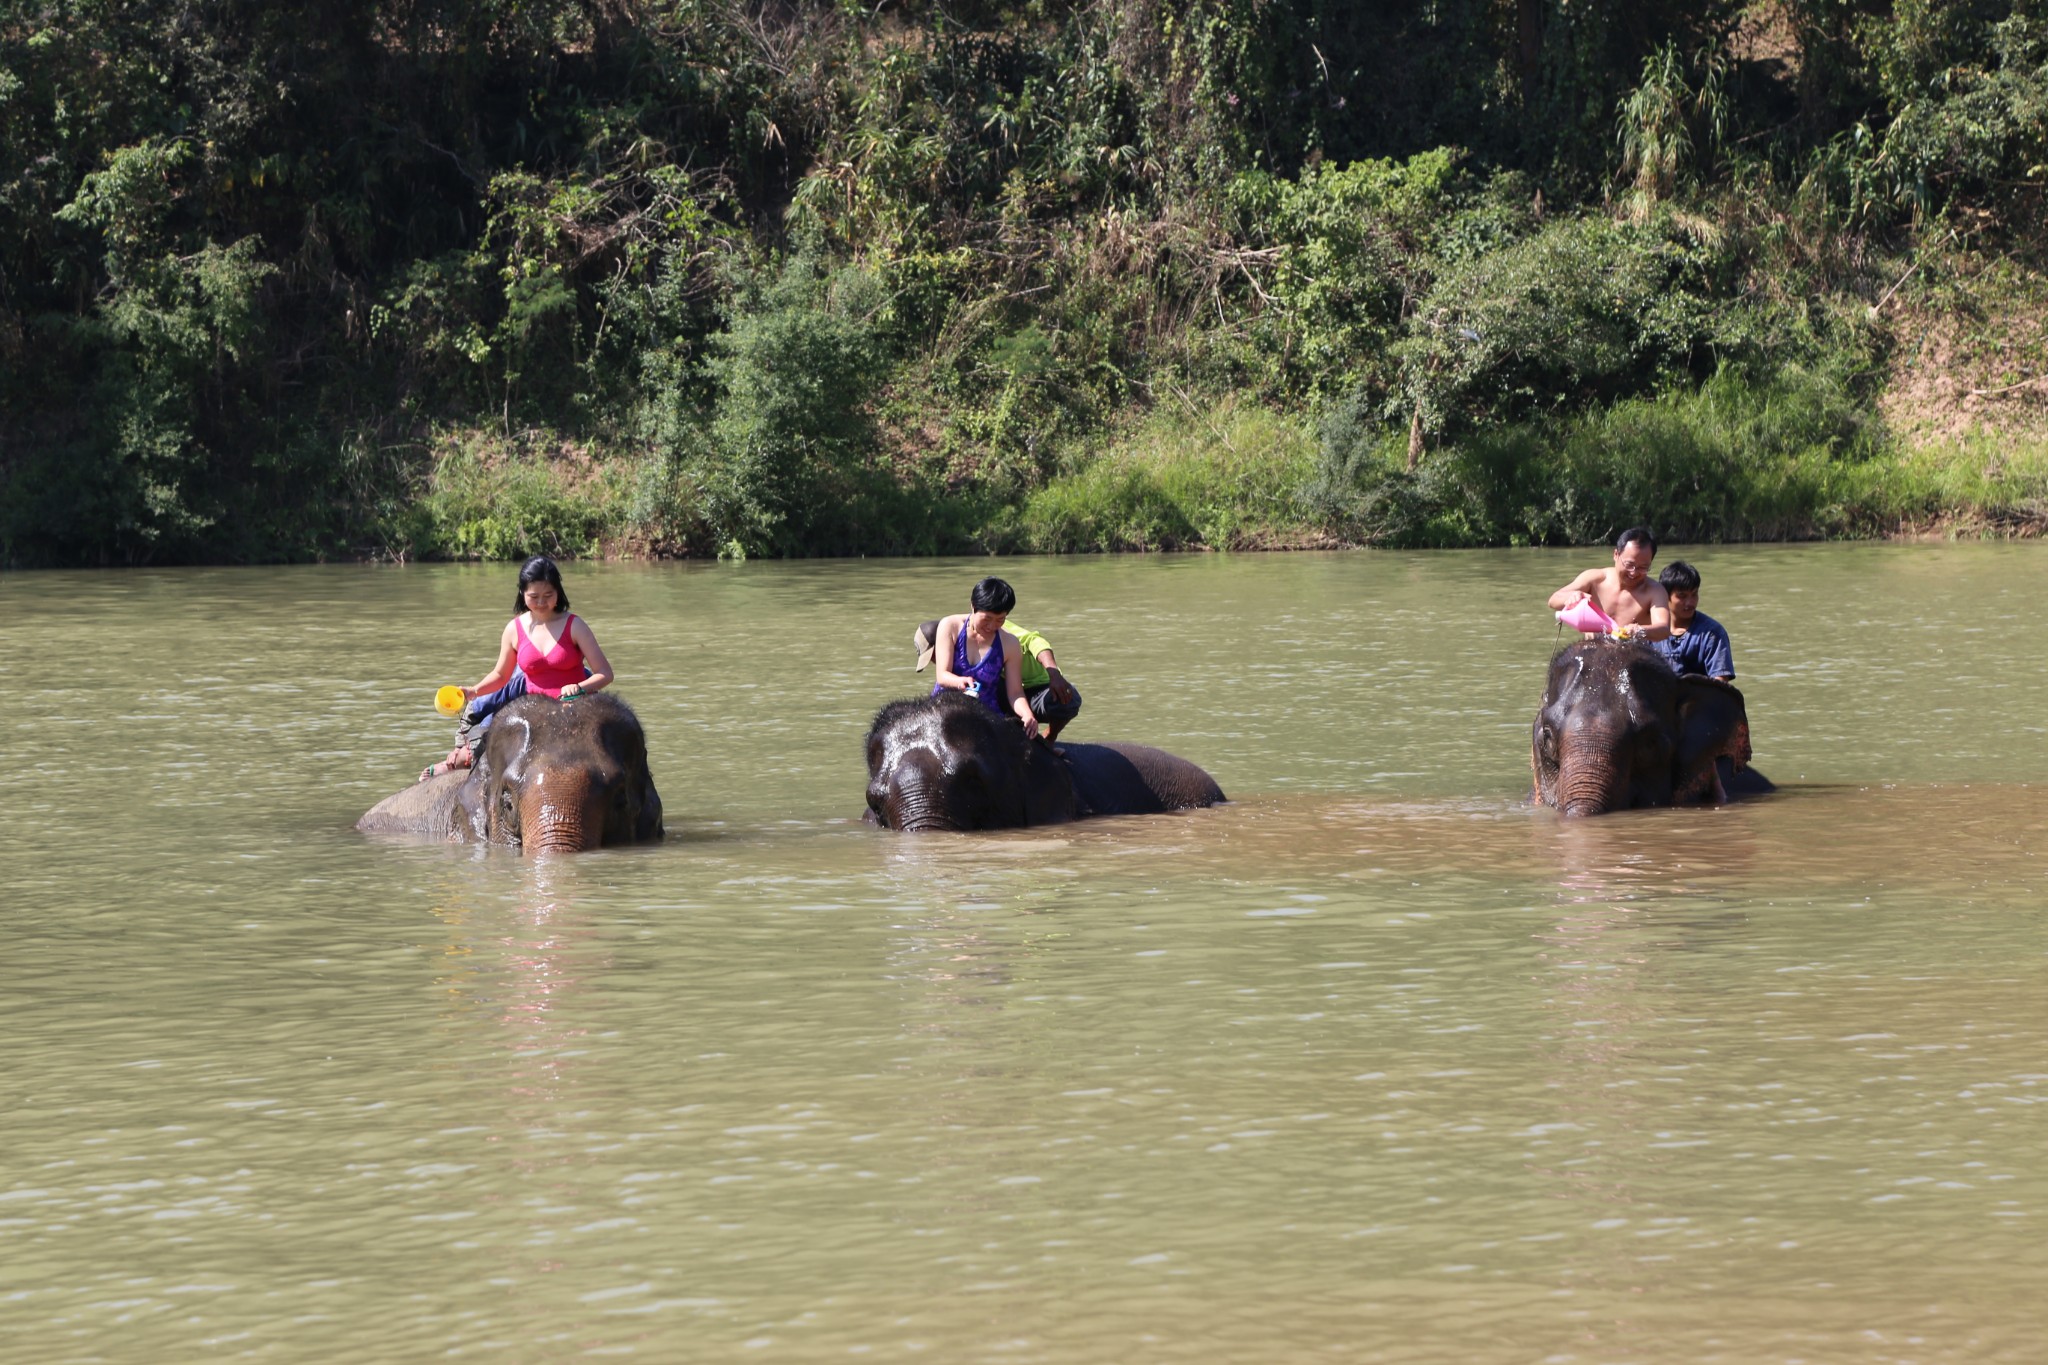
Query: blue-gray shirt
{"type": "Point", "coordinates": [1702, 649]}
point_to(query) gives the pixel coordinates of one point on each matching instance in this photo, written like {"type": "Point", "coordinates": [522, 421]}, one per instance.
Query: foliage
{"type": "Point", "coordinates": [488, 500]}
{"type": "Point", "coordinates": [790, 444]}
{"type": "Point", "coordinates": [1969, 129]}
{"type": "Point", "coordinates": [1348, 250]}
{"type": "Point", "coordinates": [1584, 310]}
{"type": "Point", "coordinates": [1734, 459]}
{"type": "Point", "coordinates": [1223, 478]}
{"type": "Point", "coordinates": [1666, 121]}
{"type": "Point", "coordinates": [816, 278]}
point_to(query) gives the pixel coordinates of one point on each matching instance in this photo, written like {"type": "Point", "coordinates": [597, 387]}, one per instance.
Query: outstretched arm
{"type": "Point", "coordinates": [501, 671]}
{"type": "Point", "coordinates": [1660, 623]}
{"type": "Point", "coordinates": [1576, 591]}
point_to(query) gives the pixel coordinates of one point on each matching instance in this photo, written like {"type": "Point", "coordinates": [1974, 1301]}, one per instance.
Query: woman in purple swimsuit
{"type": "Point", "coordinates": [970, 655]}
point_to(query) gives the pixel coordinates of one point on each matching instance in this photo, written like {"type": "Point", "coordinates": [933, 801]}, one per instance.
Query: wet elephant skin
{"type": "Point", "coordinates": [553, 776]}
{"type": "Point", "coordinates": [949, 763]}
{"type": "Point", "coordinates": [1618, 730]}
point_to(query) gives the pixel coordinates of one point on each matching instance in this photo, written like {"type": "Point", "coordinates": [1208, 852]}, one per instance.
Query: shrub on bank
{"type": "Point", "coordinates": [1981, 485]}
{"type": "Point", "coordinates": [1734, 459]}
{"type": "Point", "coordinates": [1225, 478]}
{"type": "Point", "coordinates": [491, 499]}
{"type": "Point", "coordinates": [769, 445]}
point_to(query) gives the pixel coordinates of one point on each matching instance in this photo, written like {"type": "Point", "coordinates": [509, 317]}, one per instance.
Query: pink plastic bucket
{"type": "Point", "coordinates": [1587, 618]}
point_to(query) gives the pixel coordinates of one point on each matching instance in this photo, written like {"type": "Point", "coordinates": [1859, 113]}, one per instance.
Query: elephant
{"type": "Point", "coordinates": [950, 763]}
{"type": "Point", "coordinates": [551, 776]}
{"type": "Point", "coordinates": [1618, 729]}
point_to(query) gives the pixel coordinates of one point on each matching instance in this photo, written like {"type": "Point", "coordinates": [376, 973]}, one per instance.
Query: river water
{"type": "Point", "coordinates": [1373, 1064]}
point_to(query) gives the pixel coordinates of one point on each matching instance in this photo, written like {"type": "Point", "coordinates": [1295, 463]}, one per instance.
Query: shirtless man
{"type": "Point", "coordinates": [1625, 592]}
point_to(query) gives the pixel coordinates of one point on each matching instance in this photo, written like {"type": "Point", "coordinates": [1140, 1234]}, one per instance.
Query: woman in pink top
{"type": "Point", "coordinates": [545, 649]}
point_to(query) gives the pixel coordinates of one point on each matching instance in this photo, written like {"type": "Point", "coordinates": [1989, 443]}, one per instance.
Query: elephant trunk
{"type": "Point", "coordinates": [924, 816]}
{"type": "Point", "coordinates": [560, 818]}
{"type": "Point", "coordinates": [918, 807]}
{"type": "Point", "coordinates": [1589, 780]}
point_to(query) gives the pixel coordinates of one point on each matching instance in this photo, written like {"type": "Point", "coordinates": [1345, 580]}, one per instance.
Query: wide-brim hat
{"type": "Point", "coordinates": [926, 639]}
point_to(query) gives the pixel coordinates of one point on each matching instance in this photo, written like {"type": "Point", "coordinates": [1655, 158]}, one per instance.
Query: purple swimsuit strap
{"type": "Point", "coordinates": [989, 672]}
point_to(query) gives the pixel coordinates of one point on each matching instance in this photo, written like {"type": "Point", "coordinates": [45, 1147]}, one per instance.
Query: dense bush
{"type": "Point", "coordinates": [791, 442]}
{"type": "Point", "coordinates": [809, 278]}
{"type": "Point", "coordinates": [1734, 459]}
{"type": "Point", "coordinates": [492, 501]}
{"type": "Point", "coordinates": [1226, 479]}
{"type": "Point", "coordinates": [1586, 310]}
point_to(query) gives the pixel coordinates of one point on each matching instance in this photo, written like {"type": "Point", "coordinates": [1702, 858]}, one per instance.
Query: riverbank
{"type": "Point", "coordinates": [1725, 463]}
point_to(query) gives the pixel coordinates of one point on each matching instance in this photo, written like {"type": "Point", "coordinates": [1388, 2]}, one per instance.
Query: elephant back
{"type": "Point", "coordinates": [427, 807]}
{"type": "Point", "coordinates": [1136, 779]}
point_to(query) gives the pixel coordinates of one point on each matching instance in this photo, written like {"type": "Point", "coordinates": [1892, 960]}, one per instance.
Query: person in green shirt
{"type": "Point", "coordinates": [1054, 700]}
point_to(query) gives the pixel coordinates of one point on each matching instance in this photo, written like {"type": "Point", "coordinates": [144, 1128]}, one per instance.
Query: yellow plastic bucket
{"type": "Point", "coordinates": [448, 701]}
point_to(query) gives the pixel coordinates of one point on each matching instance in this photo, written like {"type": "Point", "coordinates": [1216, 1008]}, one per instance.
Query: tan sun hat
{"type": "Point", "coordinates": [925, 638]}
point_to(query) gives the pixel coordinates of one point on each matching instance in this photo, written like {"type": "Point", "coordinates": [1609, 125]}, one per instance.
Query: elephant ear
{"type": "Point", "coordinates": [1713, 722]}
{"type": "Point", "coordinates": [1048, 787]}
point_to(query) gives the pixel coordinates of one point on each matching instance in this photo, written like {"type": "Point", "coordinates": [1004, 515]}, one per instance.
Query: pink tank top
{"type": "Point", "coordinates": [549, 673]}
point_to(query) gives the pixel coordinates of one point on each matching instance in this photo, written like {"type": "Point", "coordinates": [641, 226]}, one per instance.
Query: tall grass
{"type": "Point", "coordinates": [1226, 478]}
{"type": "Point", "coordinates": [1980, 485]}
{"type": "Point", "coordinates": [1795, 456]}
{"type": "Point", "coordinates": [490, 499]}
{"type": "Point", "coordinates": [1790, 458]}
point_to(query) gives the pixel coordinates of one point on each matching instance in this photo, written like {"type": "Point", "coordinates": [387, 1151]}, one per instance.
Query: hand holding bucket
{"type": "Point", "coordinates": [1587, 618]}
{"type": "Point", "coordinates": [448, 701]}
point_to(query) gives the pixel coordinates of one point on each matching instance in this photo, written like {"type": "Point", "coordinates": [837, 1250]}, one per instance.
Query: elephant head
{"type": "Point", "coordinates": [563, 776]}
{"type": "Point", "coordinates": [1619, 729]}
{"type": "Point", "coordinates": [949, 763]}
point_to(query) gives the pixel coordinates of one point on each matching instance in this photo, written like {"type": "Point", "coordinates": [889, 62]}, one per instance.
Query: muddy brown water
{"type": "Point", "coordinates": [1373, 1064]}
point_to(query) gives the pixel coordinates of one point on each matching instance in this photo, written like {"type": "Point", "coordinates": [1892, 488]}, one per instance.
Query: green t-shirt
{"type": "Point", "coordinates": [1029, 642]}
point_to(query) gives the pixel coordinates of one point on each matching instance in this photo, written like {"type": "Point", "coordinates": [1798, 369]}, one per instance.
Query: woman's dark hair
{"type": "Point", "coordinates": [993, 594]}
{"type": "Point", "coordinates": [1679, 576]}
{"type": "Point", "coordinates": [540, 569]}
{"type": "Point", "coordinates": [1637, 535]}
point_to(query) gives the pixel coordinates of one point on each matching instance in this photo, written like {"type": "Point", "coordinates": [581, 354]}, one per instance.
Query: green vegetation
{"type": "Point", "coordinates": [786, 277]}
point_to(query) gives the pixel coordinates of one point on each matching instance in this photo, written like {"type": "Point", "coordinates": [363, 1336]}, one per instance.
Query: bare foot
{"type": "Point", "coordinates": [458, 757]}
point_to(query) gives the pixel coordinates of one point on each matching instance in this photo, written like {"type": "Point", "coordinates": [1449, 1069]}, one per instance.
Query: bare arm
{"type": "Point", "coordinates": [1013, 686]}
{"type": "Point", "coordinates": [593, 659]}
{"type": "Point", "coordinates": [1576, 591]}
{"type": "Point", "coordinates": [501, 671]}
{"type": "Point", "coordinates": [942, 654]}
{"type": "Point", "coordinates": [1660, 618]}
{"type": "Point", "coordinates": [1659, 625]}
{"type": "Point", "coordinates": [1061, 688]}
